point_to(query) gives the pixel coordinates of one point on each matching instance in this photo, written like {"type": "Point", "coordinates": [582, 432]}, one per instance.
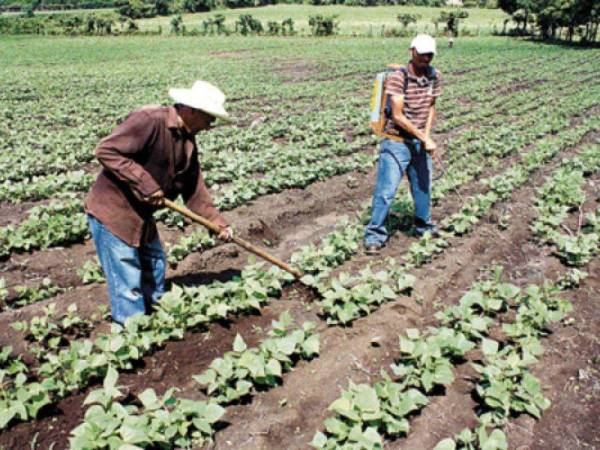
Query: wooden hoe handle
{"type": "Point", "coordinates": [239, 241]}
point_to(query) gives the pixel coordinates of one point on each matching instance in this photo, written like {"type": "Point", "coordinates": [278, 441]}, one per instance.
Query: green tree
{"type": "Point", "coordinates": [287, 26]}
{"type": "Point", "coordinates": [452, 18]}
{"type": "Point", "coordinates": [323, 25]}
{"type": "Point", "coordinates": [136, 9]}
{"type": "Point", "coordinates": [247, 24]}
{"type": "Point", "coordinates": [553, 16]}
{"type": "Point", "coordinates": [176, 24]}
{"type": "Point", "coordinates": [407, 19]}
{"type": "Point", "coordinates": [162, 7]}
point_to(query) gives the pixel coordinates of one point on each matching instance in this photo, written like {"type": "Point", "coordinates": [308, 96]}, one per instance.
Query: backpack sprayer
{"type": "Point", "coordinates": [380, 111]}
{"type": "Point", "coordinates": [380, 107]}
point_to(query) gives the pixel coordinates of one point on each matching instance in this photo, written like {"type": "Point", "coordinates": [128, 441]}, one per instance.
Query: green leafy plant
{"type": "Point", "coordinates": [506, 385]}
{"type": "Point", "coordinates": [166, 422]}
{"type": "Point", "coordinates": [477, 439]}
{"type": "Point", "coordinates": [29, 295]}
{"type": "Point", "coordinates": [91, 272]}
{"type": "Point", "coordinates": [346, 298]}
{"type": "Point", "coordinates": [363, 412]}
{"type": "Point", "coordinates": [233, 376]}
{"type": "Point", "coordinates": [423, 251]}
{"type": "Point", "coordinates": [50, 332]}
{"type": "Point", "coordinates": [198, 240]}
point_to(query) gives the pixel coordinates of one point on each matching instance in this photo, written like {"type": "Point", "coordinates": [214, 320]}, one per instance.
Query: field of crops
{"type": "Point", "coordinates": [483, 338]}
{"type": "Point", "coordinates": [351, 20]}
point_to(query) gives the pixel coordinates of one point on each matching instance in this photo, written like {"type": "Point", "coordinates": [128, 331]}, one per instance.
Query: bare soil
{"type": "Point", "coordinates": [288, 416]}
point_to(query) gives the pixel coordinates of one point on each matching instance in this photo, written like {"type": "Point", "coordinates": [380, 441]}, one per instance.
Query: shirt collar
{"type": "Point", "coordinates": [173, 119]}
{"type": "Point", "coordinates": [411, 71]}
{"type": "Point", "coordinates": [174, 123]}
{"type": "Point", "coordinates": [422, 80]}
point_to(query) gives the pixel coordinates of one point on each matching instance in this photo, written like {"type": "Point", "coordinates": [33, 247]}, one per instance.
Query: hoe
{"type": "Point", "coordinates": [242, 243]}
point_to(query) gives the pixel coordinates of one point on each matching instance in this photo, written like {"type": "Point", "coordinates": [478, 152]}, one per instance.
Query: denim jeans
{"type": "Point", "coordinates": [135, 276]}
{"type": "Point", "coordinates": [396, 158]}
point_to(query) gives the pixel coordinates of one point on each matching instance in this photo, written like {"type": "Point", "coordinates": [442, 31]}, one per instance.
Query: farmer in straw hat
{"type": "Point", "coordinates": [152, 155]}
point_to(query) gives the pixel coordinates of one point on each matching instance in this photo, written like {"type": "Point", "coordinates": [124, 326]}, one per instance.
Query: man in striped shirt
{"type": "Point", "coordinates": [410, 93]}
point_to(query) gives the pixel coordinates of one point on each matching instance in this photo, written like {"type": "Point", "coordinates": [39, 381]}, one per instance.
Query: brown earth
{"type": "Point", "coordinates": [299, 215]}
{"type": "Point", "coordinates": [288, 416]}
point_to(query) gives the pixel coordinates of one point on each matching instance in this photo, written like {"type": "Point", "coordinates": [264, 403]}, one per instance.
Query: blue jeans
{"type": "Point", "coordinates": [395, 159]}
{"type": "Point", "coordinates": [135, 276]}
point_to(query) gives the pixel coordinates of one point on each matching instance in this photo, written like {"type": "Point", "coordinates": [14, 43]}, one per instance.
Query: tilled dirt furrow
{"type": "Point", "coordinates": [443, 280]}
{"type": "Point", "coordinates": [323, 378]}
{"type": "Point", "coordinates": [288, 219]}
{"type": "Point", "coordinates": [176, 350]}
{"type": "Point", "coordinates": [448, 411]}
{"type": "Point", "coordinates": [163, 370]}
{"type": "Point", "coordinates": [570, 372]}
{"type": "Point", "coordinates": [552, 369]}
{"type": "Point", "coordinates": [570, 368]}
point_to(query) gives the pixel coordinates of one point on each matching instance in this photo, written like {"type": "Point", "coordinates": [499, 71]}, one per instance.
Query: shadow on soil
{"type": "Point", "coordinates": [196, 279]}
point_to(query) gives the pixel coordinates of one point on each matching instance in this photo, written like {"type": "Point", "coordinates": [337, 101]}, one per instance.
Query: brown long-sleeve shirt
{"type": "Point", "coordinates": [147, 152]}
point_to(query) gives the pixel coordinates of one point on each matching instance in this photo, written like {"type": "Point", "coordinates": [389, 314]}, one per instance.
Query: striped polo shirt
{"type": "Point", "coordinates": [420, 91]}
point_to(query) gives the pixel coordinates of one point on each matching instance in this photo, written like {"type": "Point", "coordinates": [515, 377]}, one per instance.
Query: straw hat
{"type": "Point", "coordinates": [203, 96]}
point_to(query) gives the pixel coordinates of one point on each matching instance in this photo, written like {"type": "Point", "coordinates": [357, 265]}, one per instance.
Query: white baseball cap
{"type": "Point", "coordinates": [423, 43]}
{"type": "Point", "coordinates": [203, 96]}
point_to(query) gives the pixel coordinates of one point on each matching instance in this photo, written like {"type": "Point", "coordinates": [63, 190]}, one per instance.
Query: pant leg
{"type": "Point", "coordinates": [393, 160]}
{"type": "Point", "coordinates": [122, 266]}
{"type": "Point", "coordinates": [154, 264]}
{"type": "Point", "coordinates": [419, 174]}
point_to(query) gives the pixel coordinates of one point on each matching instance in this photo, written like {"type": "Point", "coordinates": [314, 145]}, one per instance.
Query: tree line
{"type": "Point", "coordinates": [548, 19]}
{"type": "Point", "coordinates": [162, 6]}
{"type": "Point", "coordinates": [555, 19]}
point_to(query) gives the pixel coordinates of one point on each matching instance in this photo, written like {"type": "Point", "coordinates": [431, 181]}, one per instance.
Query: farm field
{"type": "Point", "coordinates": [484, 337]}
{"type": "Point", "coordinates": [352, 20]}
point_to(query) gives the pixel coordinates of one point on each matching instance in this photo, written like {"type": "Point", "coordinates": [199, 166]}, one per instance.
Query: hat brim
{"type": "Point", "coordinates": [193, 100]}
{"type": "Point", "coordinates": [424, 51]}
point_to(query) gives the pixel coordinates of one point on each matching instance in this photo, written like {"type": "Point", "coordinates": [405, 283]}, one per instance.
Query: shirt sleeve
{"type": "Point", "coordinates": [394, 84]}
{"type": "Point", "coordinates": [116, 152]}
{"type": "Point", "coordinates": [197, 197]}
{"type": "Point", "coordinates": [437, 85]}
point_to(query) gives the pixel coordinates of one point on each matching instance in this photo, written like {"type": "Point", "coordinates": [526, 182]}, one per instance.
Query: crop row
{"type": "Point", "coordinates": [498, 138]}
{"type": "Point", "coordinates": [505, 387]}
{"type": "Point", "coordinates": [346, 299]}
{"type": "Point", "coordinates": [563, 192]}
{"type": "Point", "coordinates": [473, 148]}
{"type": "Point", "coordinates": [405, 405]}
{"type": "Point", "coordinates": [45, 186]}
{"type": "Point", "coordinates": [165, 328]}
{"type": "Point", "coordinates": [490, 101]}
{"type": "Point", "coordinates": [501, 187]}
{"type": "Point", "coordinates": [222, 167]}
{"type": "Point", "coordinates": [486, 139]}
{"type": "Point", "coordinates": [167, 422]}
{"type": "Point", "coordinates": [56, 156]}
{"type": "Point", "coordinates": [364, 414]}
{"type": "Point", "coordinates": [219, 377]}
{"type": "Point", "coordinates": [213, 157]}
{"type": "Point", "coordinates": [505, 142]}
{"type": "Point", "coordinates": [63, 222]}
{"type": "Point", "coordinates": [31, 234]}
{"type": "Point", "coordinates": [181, 309]}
